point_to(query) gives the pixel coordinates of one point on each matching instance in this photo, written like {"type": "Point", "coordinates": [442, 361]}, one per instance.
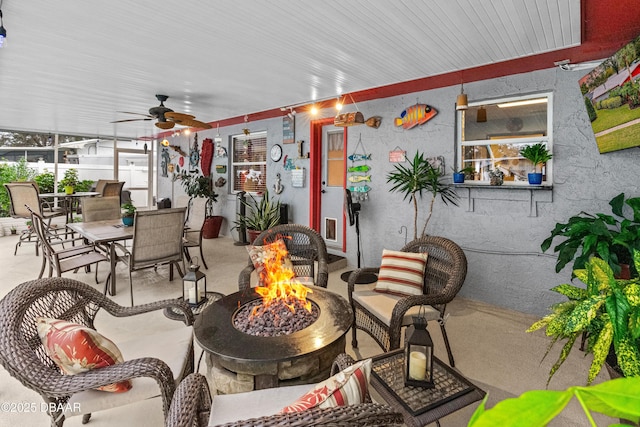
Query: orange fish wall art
{"type": "Point", "coordinates": [415, 115]}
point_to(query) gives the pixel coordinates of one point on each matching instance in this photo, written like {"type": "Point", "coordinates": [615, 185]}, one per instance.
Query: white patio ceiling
{"type": "Point", "coordinates": [70, 66]}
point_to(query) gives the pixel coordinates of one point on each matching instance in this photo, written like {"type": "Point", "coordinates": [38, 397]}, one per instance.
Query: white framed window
{"type": "Point", "coordinates": [249, 162]}
{"type": "Point", "coordinates": [490, 134]}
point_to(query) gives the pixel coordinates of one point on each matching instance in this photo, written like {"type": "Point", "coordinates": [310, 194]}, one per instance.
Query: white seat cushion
{"type": "Point", "coordinates": [381, 305]}
{"type": "Point", "coordinates": [227, 408]}
{"type": "Point", "coordinates": [172, 347]}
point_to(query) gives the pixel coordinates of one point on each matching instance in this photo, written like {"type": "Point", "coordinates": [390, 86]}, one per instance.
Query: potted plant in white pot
{"type": "Point", "coordinates": [538, 154]}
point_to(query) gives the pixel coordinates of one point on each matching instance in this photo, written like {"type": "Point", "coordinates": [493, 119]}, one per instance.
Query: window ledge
{"type": "Point", "coordinates": [534, 194]}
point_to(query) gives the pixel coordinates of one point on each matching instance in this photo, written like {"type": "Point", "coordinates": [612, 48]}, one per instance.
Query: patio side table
{"type": "Point", "coordinates": [421, 406]}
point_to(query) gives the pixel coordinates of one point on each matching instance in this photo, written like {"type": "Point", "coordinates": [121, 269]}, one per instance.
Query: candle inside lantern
{"type": "Point", "coordinates": [417, 365]}
{"type": "Point", "coordinates": [192, 295]}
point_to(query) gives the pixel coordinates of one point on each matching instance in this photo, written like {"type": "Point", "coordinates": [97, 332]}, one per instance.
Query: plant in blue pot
{"type": "Point", "coordinates": [459, 175]}
{"type": "Point", "coordinates": [538, 154]}
{"type": "Point", "coordinates": [128, 212]}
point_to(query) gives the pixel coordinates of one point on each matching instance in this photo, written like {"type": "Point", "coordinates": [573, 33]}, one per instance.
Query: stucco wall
{"type": "Point", "coordinates": [500, 238]}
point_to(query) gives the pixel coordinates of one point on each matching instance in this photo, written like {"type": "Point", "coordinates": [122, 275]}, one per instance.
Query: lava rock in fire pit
{"type": "Point", "coordinates": [273, 320]}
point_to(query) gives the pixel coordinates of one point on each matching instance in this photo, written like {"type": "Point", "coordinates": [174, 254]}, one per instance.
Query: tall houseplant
{"type": "Point", "coordinates": [538, 154]}
{"type": "Point", "coordinates": [261, 214]}
{"type": "Point", "coordinates": [610, 237]}
{"type": "Point", "coordinates": [420, 176]}
{"type": "Point", "coordinates": [201, 186]}
{"type": "Point", "coordinates": [607, 311]}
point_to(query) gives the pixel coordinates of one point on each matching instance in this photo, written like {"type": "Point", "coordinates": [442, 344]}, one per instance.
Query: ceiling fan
{"type": "Point", "coordinates": [166, 117]}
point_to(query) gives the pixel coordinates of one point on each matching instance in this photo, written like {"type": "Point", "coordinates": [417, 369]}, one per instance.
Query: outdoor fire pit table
{"type": "Point", "coordinates": [239, 362]}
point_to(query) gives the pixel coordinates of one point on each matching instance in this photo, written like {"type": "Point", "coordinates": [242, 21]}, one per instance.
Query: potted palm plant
{"type": "Point", "coordinates": [537, 154]}
{"type": "Point", "coordinates": [606, 311]}
{"type": "Point", "coordinates": [202, 186]}
{"type": "Point", "coordinates": [421, 176]}
{"type": "Point", "coordinates": [261, 214]}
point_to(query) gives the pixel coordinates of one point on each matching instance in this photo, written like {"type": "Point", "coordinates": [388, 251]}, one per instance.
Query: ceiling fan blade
{"type": "Point", "coordinates": [197, 124]}
{"type": "Point", "coordinates": [165, 125]}
{"type": "Point", "coordinates": [137, 114]}
{"type": "Point", "coordinates": [131, 120]}
{"type": "Point", "coordinates": [178, 117]}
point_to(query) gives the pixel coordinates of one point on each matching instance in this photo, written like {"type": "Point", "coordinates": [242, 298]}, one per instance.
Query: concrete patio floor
{"type": "Point", "coordinates": [489, 343]}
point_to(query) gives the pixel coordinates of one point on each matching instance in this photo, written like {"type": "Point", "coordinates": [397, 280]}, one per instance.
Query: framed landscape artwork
{"type": "Point", "coordinates": [611, 94]}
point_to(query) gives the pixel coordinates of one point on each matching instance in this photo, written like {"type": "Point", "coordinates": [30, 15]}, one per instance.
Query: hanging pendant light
{"type": "Point", "coordinates": [461, 101]}
{"type": "Point", "coordinates": [482, 115]}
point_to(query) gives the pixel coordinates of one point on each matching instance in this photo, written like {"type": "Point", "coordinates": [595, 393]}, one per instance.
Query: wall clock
{"type": "Point", "coordinates": [276, 152]}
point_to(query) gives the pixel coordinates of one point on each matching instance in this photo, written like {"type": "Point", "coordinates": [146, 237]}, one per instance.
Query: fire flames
{"type": "Point", "coordinates": [279, 283]}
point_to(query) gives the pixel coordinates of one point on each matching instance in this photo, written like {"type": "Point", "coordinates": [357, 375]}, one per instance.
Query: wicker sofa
{"type": "Point", "coordinates": [192, 406]}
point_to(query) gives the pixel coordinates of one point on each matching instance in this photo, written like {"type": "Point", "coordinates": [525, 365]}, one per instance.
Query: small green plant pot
{"type": "Point", "coordinates": [68, 189]}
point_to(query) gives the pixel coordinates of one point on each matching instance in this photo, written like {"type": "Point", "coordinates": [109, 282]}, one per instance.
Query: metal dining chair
{"type": "Point", "coordinates": [157, 240]}
{"type": "Point", "coordinates": [21, 195]}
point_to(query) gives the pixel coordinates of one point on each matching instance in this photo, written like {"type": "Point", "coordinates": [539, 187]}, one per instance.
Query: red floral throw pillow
{"type": "Point", "coordinates": [349, 387]}
{"type": "Point", "coordinates": [77, 348]}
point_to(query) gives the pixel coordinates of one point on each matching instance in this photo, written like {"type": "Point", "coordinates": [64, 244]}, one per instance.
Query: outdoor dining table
{"type": "Point", "coordinates": [104, 233]}
{"type": "Point", "coordinates": [69, 200]}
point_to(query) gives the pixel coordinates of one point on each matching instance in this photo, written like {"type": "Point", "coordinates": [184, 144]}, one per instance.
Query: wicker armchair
{"type": "Point", "coordinates": [191, 407]}
{"type": "Point", "coordinates": [24, 357]}
{"type": "Point", "coordinates": [306, 248]}
{"type": "Point", "coordinates": [443, 277]}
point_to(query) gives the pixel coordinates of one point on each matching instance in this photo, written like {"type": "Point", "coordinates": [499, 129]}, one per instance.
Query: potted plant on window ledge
{"type": "Point", "coordinates": [202, 186]}
{"type": "Point", "coordinates": [538, 154]}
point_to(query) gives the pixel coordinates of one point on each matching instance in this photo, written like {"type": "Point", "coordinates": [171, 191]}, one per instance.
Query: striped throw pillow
{"type": "Point", "coordinates": [401, 273]}
{"type": "Point", "coordinates": [348, 387]}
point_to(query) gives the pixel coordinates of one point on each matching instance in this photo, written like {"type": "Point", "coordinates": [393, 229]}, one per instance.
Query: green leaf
{"type": "Point", "coordinates": [564, 353]}
{"type": "Point", "coordinates": [479, 411]}
{"type": "Point", "coordinates": [600, 350]}
{"type": "Point", "coordinates": [634, 203]}
{"type": "Point", "coordinates": [628, 357]}
{"type": "Point", "coordinates": [583, 314]}
{"type": "Point", "coordinates": [619, 398]}
{"type": "Point", "coordinates": [570, 291]}
{"type": "Point", "coordinates": [617, 203]}
{"type": "Point", "coordinates": [533, 408]}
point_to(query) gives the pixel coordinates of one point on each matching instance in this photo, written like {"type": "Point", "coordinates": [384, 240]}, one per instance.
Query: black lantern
{"type": "Point", "coordinates": [418, 355]}
{"type": "Point", "coordinates": [194, 285]}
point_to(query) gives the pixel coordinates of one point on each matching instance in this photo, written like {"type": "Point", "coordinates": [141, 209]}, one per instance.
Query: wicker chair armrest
{"type": "Point", "coordinates": [191, 404]}
{"type": "Point", "coordinates": [121, 311]}
{"type": "Point", "coordinates": [406, 303]}
{"type": "Point", "coordinates": [342, 361]}
{"type": "Point", "coordinates": [353, 277]}
{"type": "Point", "coordinates": [60, 385]}
{"type": "Point", "coordinates": [244, 279]}
{"type": "Point", "coordinates": [365, 414]}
